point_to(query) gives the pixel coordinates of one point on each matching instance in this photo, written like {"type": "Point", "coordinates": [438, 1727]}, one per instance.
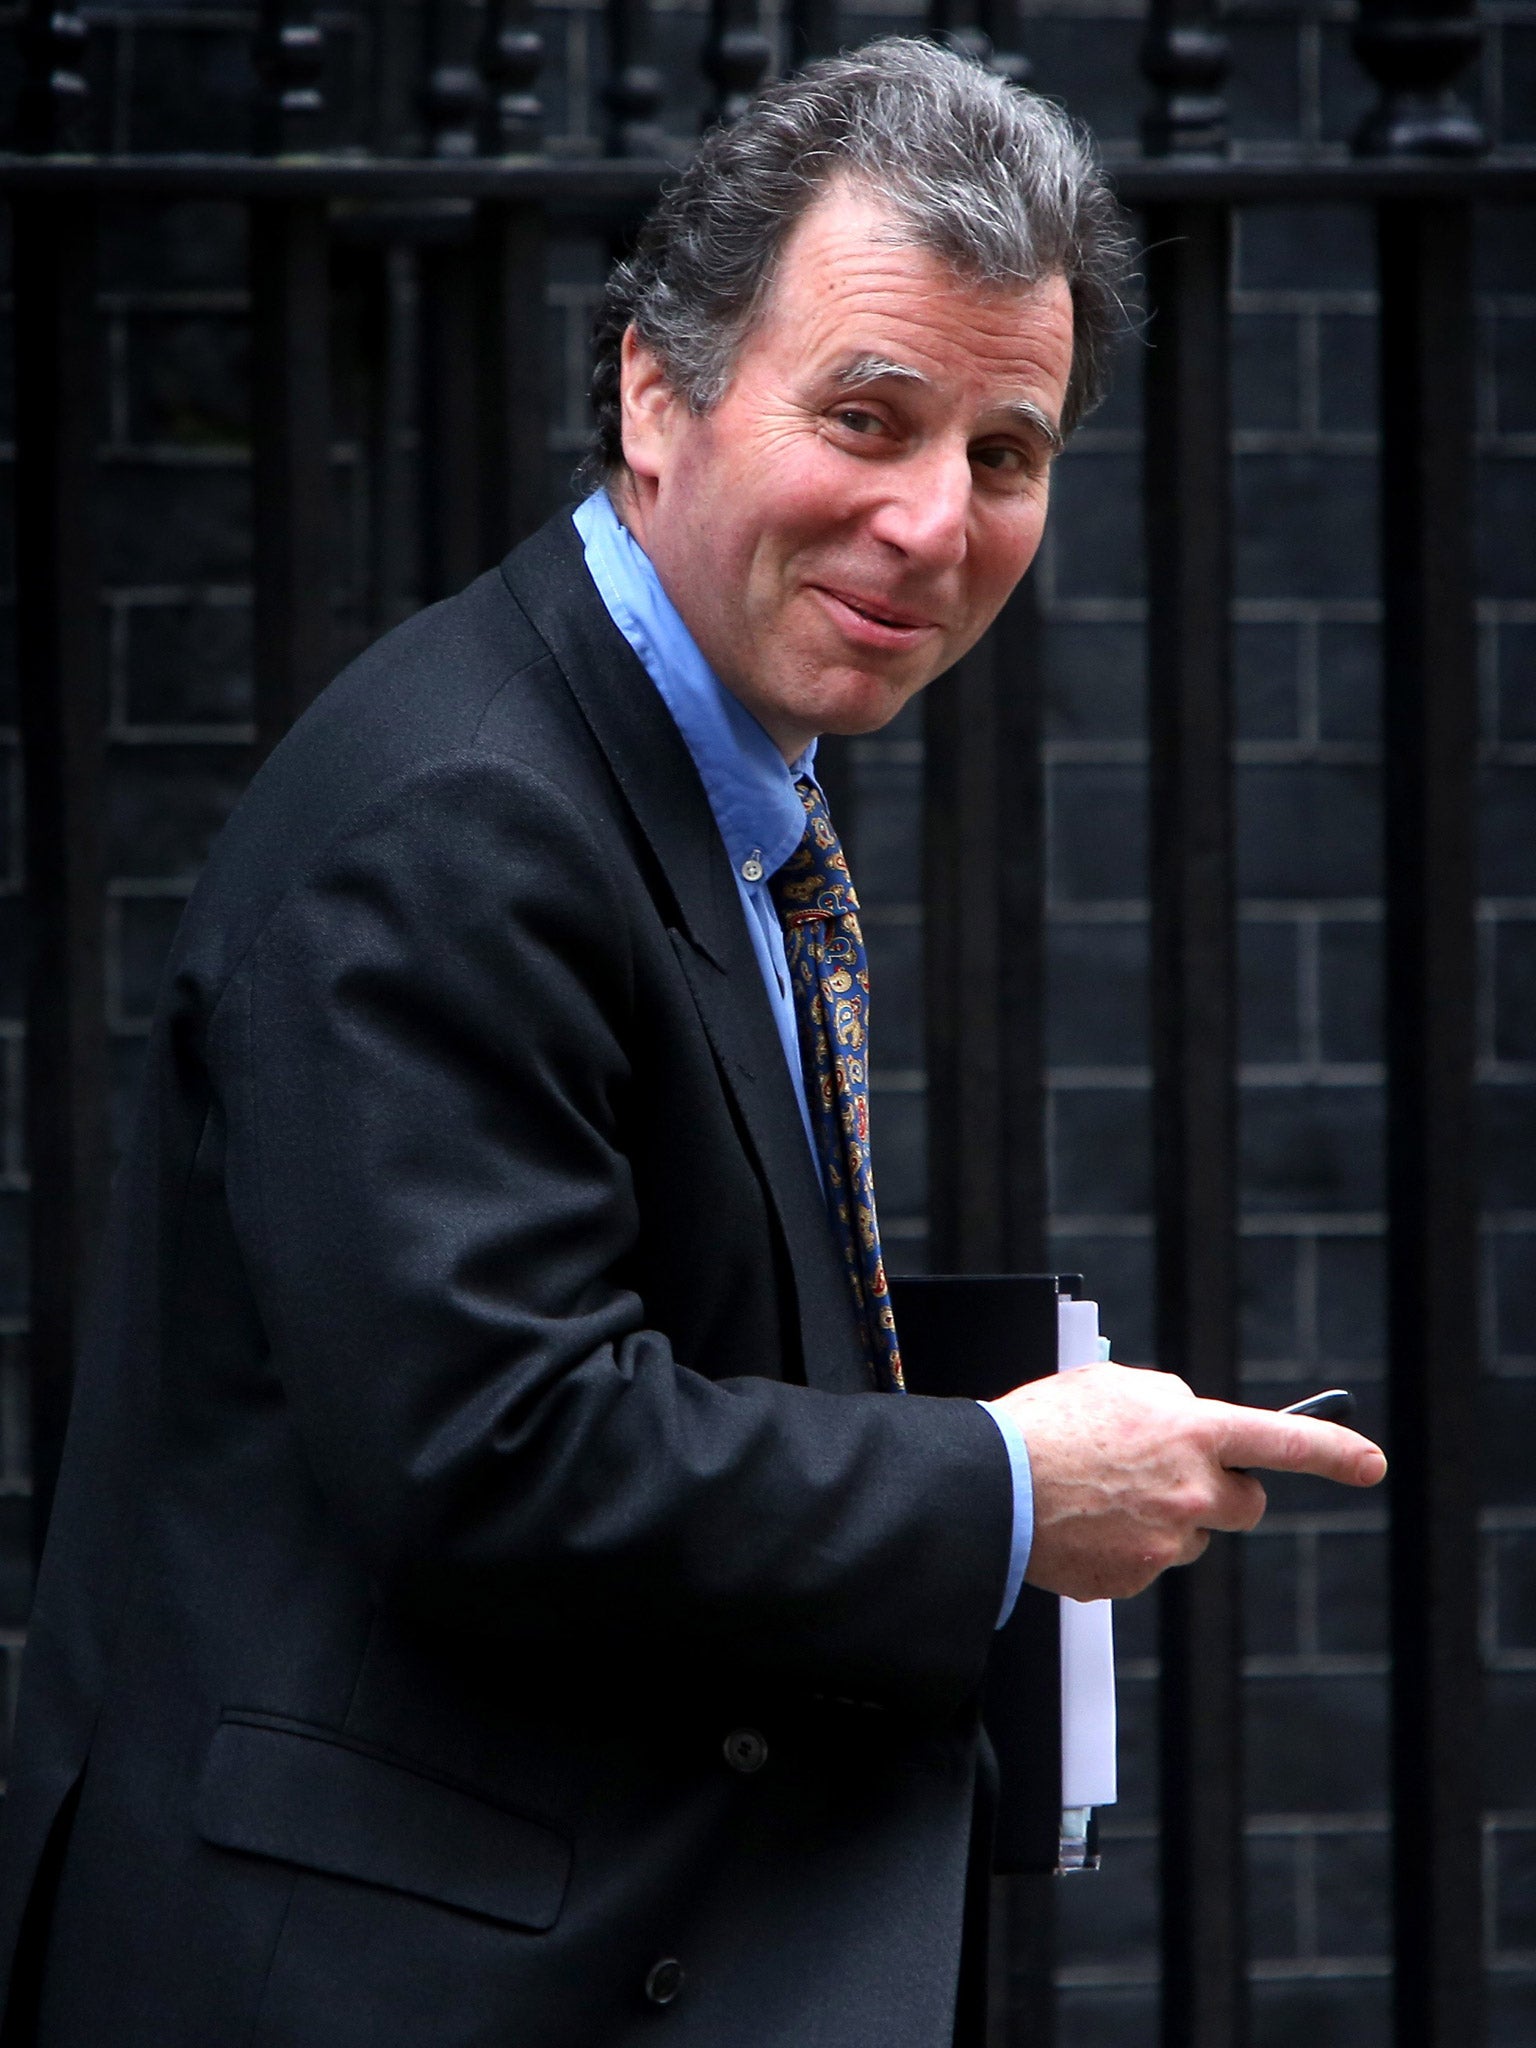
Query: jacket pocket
{"type": "Point", "coordinates": [306, 1798]}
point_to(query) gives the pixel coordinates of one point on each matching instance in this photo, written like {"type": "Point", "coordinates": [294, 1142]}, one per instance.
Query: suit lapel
{"type": "Point", "coordinates": [654, 770]}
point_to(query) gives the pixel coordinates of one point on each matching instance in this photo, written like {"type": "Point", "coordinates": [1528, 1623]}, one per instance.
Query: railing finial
{"type": "Point", "coordinates": [50, 116]}
{"type": "Point", "coordinates": [736, 57]}
{"type": "Point", "coordinates": [1415, 54]}
{"type": "Point", "coordinates": [290, 58]}
{"type": "Point", "coordinates": [511, 57]}
{"type": "Point", "coordinates": [634, 90]}
{"type": "Point", "coordinates": [453, 98]}
{"type": "Point", "coordinates": [1186, 57]}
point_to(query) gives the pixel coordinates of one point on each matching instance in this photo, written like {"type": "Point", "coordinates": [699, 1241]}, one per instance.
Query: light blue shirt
{"type": "Point", "coordinates": [751, 790]}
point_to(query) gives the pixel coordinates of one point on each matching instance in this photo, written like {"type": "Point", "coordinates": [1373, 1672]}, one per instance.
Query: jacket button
{"type": "Point", "coordinates": [664, 1980]}
{"type": "Point", "coordinates": [745, 1750]}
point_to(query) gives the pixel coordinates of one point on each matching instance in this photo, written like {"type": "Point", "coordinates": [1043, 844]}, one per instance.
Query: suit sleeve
{"type": "Point", "coordinates": [423, 1068]}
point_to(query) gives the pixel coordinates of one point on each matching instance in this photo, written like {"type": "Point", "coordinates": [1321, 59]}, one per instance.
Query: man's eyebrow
{"type": "Point", "coordinates": [872, 369]}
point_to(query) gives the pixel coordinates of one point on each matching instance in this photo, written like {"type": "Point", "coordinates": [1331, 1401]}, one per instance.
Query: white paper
{"type": "Point", "coordinates": [1087, 1626]}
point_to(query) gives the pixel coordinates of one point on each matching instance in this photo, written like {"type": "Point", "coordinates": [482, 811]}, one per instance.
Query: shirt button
{"type": "Point", "coordinates": [664, 1980]}
{"type": "Point", "coordinates": [752, 868]}
{"type": "Point", "coordinates": [745, 1750]}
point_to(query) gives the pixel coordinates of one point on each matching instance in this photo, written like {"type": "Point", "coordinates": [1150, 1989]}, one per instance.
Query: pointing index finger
{"type": "Point", "coordinates": [1296, 1443]}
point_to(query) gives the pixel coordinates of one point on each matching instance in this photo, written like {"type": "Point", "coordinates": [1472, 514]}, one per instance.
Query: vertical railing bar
{"type": "Point", "coordinates": [1188, 513]}
{"type": "Point", "coordinates": [983, 931]}
{"type": "Point", "coordinates": [633, 92]}
{"type": "Point", "coordinates": [290, 464]}
{"type": "Point", "coordinates": [736, 57]}
{"type": "Point", "coordinates": [62, 718]}
{"type": "Point", "coordinates": [1430, 714]}
{"type": "Point", "coordinates": [391, 454]}
{"type": "Point", "coordinates": [290, 387]}
{"type": "Point", "coordinates": [512, 357]}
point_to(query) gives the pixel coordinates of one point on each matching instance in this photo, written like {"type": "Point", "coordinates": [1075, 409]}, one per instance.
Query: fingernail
{"type": "Point", "coordinates": [1372, 1467]}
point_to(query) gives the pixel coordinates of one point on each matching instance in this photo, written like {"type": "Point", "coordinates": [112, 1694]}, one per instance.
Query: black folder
{"type": "Point", "coordinates": [977, 1335]}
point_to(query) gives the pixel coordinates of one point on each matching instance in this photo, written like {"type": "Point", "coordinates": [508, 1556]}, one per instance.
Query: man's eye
{"type": "Point", "coordinates": [1003, 460]}
{"type": "Point", "coordinates": [857, 421]}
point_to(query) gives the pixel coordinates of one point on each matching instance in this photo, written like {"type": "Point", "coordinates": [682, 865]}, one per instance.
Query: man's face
{"type": "Point", "coordinates": [850, 516]}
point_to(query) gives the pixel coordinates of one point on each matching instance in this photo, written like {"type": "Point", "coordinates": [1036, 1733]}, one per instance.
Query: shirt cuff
{"type": "Point", "coordinates": [1023, 1504]}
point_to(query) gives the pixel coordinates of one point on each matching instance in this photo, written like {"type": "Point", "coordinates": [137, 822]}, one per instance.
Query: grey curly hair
{"type": "Point", "coordinates": [993, 178]}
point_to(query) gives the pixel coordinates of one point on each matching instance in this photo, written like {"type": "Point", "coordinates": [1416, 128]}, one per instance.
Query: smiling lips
{"type": "Point", "coordinates": [872, 620]}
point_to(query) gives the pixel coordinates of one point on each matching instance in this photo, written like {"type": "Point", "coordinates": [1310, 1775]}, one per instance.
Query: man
{"type": "Point", "coordinates": [498, 1590]}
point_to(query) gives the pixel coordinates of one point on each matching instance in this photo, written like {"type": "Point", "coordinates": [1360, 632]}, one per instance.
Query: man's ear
{"type": "Point", "coordinates": [647, 407]}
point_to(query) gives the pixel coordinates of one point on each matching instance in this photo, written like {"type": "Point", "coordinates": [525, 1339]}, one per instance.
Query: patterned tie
{"type": "Point", "coordinates": [830, 978]}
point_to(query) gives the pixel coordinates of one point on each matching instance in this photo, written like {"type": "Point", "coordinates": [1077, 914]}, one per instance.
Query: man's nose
{"type": "Point", "coordinates": [925, 508]}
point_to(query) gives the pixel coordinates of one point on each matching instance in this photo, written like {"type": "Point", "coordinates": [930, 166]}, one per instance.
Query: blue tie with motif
{"type": "Point", "coordinates": [830, 977]}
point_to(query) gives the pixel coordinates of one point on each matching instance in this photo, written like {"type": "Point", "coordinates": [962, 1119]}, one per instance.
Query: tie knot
{"type": "Point", "coordinates": [814, 881]}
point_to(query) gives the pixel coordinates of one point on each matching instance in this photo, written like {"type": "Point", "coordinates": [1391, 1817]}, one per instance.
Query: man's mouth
{"type": "Point", "coordinates": [894, 622]}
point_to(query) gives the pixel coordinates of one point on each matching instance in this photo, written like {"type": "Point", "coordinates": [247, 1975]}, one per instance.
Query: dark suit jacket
{"type": "Point", "coordinates": [478, 1571]}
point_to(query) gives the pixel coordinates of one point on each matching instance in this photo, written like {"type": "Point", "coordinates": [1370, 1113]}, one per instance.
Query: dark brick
{"type": "Point", "coordinates": [1304, 248]}
{"type": "Point", "coordinates": [1506, 814]}
{"type": "Point", "coordinates": [1509, 1755]}
{"type": "Point", "coordinates": [1507, 1410]}
{"type": "Point", "coordinates": [1352, 1593]}
{"type": "Point", "coordinates": [896, 981]}
{"type": "Point", "coordinates": [899, 1137]}
{"type": "Point", "coordinates": [1507, 1113]}
{"type": "Point", "coordinates": [181, 246]}
{"type": "Point", "coordinates": [1136, 1700]}
{"type": "Point", "coordinates": [1514, 990]}
{"type": "Point", "coordinates": [1267, 1298]}
{"type": "Point", "coordinates": [1517, 681]}
{"type": "Point", "coordinates": [1316, 1744]}
{"type": "Point", "coordinates": [164, 806]}
{"type": "Point", "coordinates": [1095, 533]}
{"type": "Point", "coordinates": [147, 925]}
{"type": "Point", "coordinates": [1121, 408]}
{"type": "Point", "coordinates": [1519, 55]}
{"type": "Point", "coordinates": [1269, 1011]}
{"type": "Point", "coordinates": [1306, 523]}
{"type": "Point", "coordinates": [1514, 362]}
{"type": "Point", "coordinates": [889, 834]}
{"type": "Point", "coordinates": [1514, 1561]}
{"type": "Point", "coordinates": [188, 664]}
{"type": "Point", "coordinates": [13, 1253]}
{"type": "Point", "coordinates": [1512, 2011]}
{"type": "Point", "coordinates": [1513, 1258]}
{"type": "Point", "coordinates": [1351, 1299]}
{"type": "Point", "coordinates": [1097, 833]}
{"type": "Point", "coordinates": [1270, 1863]}
{"type": "Point", "coordinates": [1265, 661]}
{"type": "Point", "coordinates": [1514, 1922]}
{"type": "Point", "coordinates": [12, 955]}
{"type": "Point", "coordinates": [163, 525]}
{"type": "Point", "coordinates": [1350, 990]}
{"type": "Point", "coordinates": [1118, 1272]}
{"type": "Point", "coordinates": [1100, 1146]}
{"type": "Point", "coordinates": [1090, 65]}
{"type": "Point", "coordinates": [1308, 830]}
{"type": "Point", "coordinates": [1105, 2017]}
{"type": "Point", "coordinates": [1353, 1890]}
{"type": "Point", "coordinates": [1114, 1919]}
{"type": "Point", "coordinates": [1271, 1622]}
{"type": "Point", "coordinates": [1311, 1148]}
{"type": "Point", "coordinates": [1506, 561]}
{"type": "Point", "coordinates": [189, 379]}
{"type": "Point", "coordinates": [1097, 981]}
{"type": "Point", "coordinates": [1095, 681]}
{"type": "Point", "coordinates": [1347, 374]}
{"type": "Point", "coordinates": [1265, 371]}
{"type": "Point", "coordinates": [1348, 682]}
{"type": "Point", "coordinates": [1136, 1626]}
{"type": "Point", "coordinates": [1322, 2013]}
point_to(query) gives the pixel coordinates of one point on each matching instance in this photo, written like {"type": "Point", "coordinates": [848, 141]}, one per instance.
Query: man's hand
{"type": "Point", "coordinates": [1132, 1473]}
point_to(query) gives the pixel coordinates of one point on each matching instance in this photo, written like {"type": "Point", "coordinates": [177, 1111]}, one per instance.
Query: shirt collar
{"type": "Point", "coordinates": [750, 786]}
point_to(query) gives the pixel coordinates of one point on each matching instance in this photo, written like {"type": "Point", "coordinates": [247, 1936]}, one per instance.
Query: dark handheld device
{"type": "Point", "coordinates": [1337, 1405]}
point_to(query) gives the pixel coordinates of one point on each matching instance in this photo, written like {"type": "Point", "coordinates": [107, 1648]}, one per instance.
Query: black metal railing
{"type": "Point", "coordinates": [477, 202]}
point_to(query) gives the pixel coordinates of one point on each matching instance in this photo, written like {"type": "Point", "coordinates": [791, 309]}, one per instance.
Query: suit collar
{"type": "Point", "coordinates": [660, 784]}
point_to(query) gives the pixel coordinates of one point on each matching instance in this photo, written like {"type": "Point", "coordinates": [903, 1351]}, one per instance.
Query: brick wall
{"type": "Point", "coordinates": [176, 618]}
